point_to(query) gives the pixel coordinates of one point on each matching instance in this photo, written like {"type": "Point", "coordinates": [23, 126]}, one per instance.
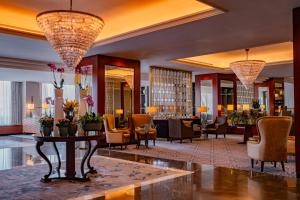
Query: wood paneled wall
{"type": "Point", "coordinates": [296, 50]}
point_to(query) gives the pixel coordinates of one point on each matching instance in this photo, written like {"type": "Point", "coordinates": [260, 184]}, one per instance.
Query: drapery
{"type": "Point", "coordinates": [5, 103]}
{"type": "Point", "coordinates": [16, 103]}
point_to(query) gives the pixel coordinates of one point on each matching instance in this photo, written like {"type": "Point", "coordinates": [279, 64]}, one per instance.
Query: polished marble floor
{"type": "Point", "coordinates": [207, 182]}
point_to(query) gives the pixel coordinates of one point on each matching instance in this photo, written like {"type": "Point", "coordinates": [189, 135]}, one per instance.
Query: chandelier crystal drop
{"type": "Point", "coordinates": [247, 71]}
{"type": "Point", "coordinates": [71, 33]}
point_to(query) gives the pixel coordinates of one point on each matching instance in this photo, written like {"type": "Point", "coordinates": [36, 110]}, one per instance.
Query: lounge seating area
{"type": "Point", "coordinates": [168, 99]}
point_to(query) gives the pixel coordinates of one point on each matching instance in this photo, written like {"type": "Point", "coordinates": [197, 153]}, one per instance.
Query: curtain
{"type": "Point", "coordinates": [5, 103]}
{"type": "Point", "coordinates": [17, 103]}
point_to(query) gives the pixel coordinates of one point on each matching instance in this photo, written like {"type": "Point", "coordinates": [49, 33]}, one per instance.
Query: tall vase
{"type": "Point", "coordinates": [83, 107]}
{"type": "Point", "coordinates": [58, 109]}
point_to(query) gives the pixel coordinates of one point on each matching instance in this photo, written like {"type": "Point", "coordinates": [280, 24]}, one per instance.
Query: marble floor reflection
{"type": "Point", "coordinates": [207, 182]}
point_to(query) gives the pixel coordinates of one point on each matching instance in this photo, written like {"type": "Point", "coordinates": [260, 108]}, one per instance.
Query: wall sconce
{"type": "Point", "coordinates": [30, 107]}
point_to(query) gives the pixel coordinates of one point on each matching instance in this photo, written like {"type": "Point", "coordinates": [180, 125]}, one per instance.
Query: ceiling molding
{"type": "Point", "coordinates": [16, 63]}
{"type": "Point", "coordinates": [163, 25]}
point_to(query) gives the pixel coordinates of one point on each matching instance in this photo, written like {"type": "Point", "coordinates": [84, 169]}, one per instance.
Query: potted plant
{"type": "Point", "coordinates": [72, 129]}
{"type": "Point", "coordinates": [46, 125]}
{"type": "Point", "coordinates": [255, 104]}
{"type": "Point", "coordinates": [91, 122]}
{"type": "Point", "coordinates": [63, 126]}
{"type": "Point", "coordinates": [70, 109]}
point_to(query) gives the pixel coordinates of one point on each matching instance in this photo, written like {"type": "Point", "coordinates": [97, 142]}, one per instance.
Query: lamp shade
{"type": "Point", "coordinates": [119, 111]}
{"type": "Point", "coordinates": [30, 106]}
{"type": "Point", "coordinates": [263, 106]}
{"type": "Point", "coordinates": [230, 107]}
{"type": "Point", "coordinates": [152, 109]}
{"type": "Point", "coordinates": [246, 107]}
{"type": "Point", "coordinates": [202, 109]}
{"type": "Point", "coordinates": [238, 107]}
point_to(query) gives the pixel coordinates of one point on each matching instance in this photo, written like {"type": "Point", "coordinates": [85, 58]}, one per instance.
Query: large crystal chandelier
{"type": "Point", "coordinates": [71, 33]}
{"type": "Point", "coordinates": [247, 70]}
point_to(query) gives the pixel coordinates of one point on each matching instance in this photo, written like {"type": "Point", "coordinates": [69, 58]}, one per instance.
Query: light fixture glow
{"type": "Point", "coordinates": [71, 33]}
{"type": "Point", "coordinates": [247, 71]}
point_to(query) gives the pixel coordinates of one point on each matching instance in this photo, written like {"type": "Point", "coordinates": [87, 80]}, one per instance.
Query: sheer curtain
{"type": "Point", "coordinates": [5, 103]}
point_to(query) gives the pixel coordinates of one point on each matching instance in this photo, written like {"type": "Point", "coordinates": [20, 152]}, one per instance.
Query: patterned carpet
{"type": "Point", "coordinates": [218, 152]}
{"type": "Point", "coordinates": [24, 182]}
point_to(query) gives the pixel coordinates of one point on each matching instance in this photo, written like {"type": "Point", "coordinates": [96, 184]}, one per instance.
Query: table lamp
{"type": "Point", "coordinates": [119, 112]}
{"type": "Point", "coordinates": [230, 107]}
{"type": "Point", "coordinates": [246, 107]}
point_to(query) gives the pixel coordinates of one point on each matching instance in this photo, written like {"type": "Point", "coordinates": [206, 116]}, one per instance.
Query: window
{"type": "Point", "coordinates": [5, 103]}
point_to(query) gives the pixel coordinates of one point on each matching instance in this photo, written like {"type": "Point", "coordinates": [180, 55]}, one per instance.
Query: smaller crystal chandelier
{"type": "Point", "coordinates": [247, 70]}
{"type": "Point", "coordinates": [71, 33]}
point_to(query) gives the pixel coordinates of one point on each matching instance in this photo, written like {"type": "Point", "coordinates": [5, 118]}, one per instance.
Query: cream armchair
{"type": "Point", "coordinates": [116, 137]}
{"type": "Point", "coordinates": [272, 143]}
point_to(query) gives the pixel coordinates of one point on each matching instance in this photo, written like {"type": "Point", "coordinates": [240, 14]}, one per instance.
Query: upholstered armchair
{"type": "Point", "coordinates": [218, 127]}
{"type": "Point", "coordinates": [115, 136]}
{"type": "Point", "coordinates": [139, 120]}
{"type": "Point", "coordinates": [272, 143]}
{"type": "Point", "coordinates": [180, 129]}
{"type": "Point", "coordinates": [111, 124]}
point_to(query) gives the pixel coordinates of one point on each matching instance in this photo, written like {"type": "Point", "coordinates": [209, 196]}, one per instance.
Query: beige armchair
{"type": "Point", "coordinates": [141, 120]}
{"type": "Point", "coordinates": [115, 136]}
{"type": "Point", "coordinates": [111, 124]}
{"type": "Point", "coordinates": [273, 139]}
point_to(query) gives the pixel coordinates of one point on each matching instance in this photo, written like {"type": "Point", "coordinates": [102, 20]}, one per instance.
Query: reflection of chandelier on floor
{"type": "Point", "coordinates": [247, 70]}
{"type": "Point", "coordinates": [71, 33]}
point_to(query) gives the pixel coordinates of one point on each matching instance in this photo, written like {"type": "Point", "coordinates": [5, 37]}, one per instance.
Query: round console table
{"type": "Point", "coordinates": [69, 173]}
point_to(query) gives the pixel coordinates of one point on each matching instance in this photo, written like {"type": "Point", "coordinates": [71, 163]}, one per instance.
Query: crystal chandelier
{"type": "Point", "coordinates": [247, 71]}
{"type": "Point", "coordinates": [71, 33]}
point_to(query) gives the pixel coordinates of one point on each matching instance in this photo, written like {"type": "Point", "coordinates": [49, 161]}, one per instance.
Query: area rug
{"type": "Point", "coordinates": [218, 152]}
{"type": "Point", "coordinates": [11, 144]}
{"type": "Point", "coordinates": [24, 182]}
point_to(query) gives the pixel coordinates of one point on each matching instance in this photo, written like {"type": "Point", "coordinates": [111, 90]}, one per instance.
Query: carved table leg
{"type": "Point", "coordinates": [84, 178]}
{"type": "Point", "coordinates": [38, 149]}
{"type": "Point", "coordinates": [58, 157]}
{"type": "Point", "coordinates": [92, 170]}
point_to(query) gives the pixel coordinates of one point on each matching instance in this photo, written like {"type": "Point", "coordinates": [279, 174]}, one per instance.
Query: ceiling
{"type": "Point", "coordinates": [121, 17]}
{"type": "Point", "coordinates": [244, 24]}
{"type": "Point", "coordinates": [272, 54]}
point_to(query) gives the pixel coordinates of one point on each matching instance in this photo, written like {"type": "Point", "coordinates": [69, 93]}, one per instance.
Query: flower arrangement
{"type": "Point", "coordinates": [46, 125]}
{"type": "Point", "coordinates": [91, 122]}
{"type": "Point", "coordinates": [47, 121]}
{"type": "Point", "coordinates": [63, 123]}
{"type": "Point", "coordinates": [244, 117]}
{"type": "Point", "coordinates": [82, 71]}
{"type": "Point", "coordinates": [90, 102]}
{"type": "Point", "coordinates": [70, 109]}
{"type": "Point", "coordinates": [255, 104]}
{"type": "Point", "coordinates": [59, 70]}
